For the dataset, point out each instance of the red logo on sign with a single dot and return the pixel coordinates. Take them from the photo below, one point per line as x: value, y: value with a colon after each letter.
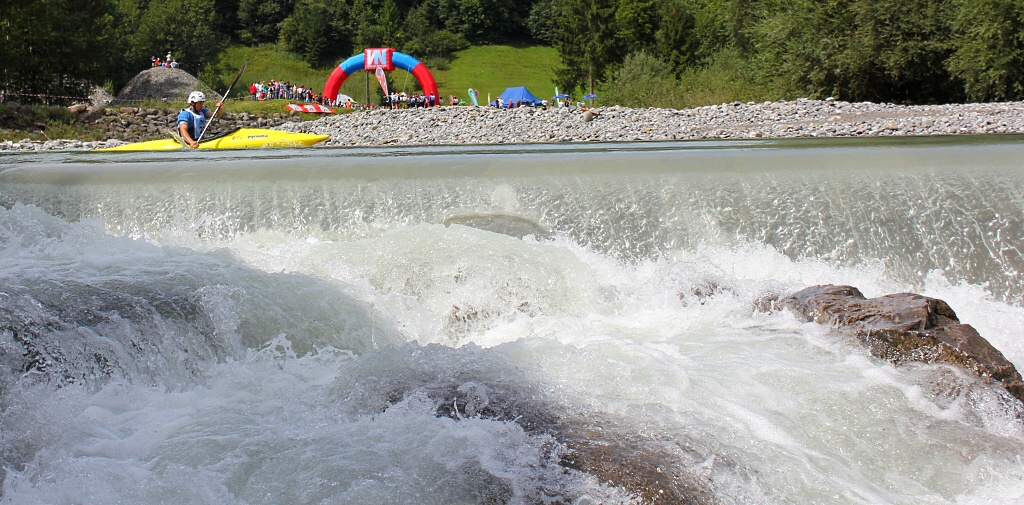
x: 379, y: 57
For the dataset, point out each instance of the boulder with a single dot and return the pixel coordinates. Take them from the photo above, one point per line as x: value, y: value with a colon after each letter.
x: 907, y: 327
x: 91, y: 113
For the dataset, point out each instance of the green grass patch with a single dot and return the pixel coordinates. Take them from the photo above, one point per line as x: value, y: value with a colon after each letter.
x: 67, y: 130
x: 491, y: 69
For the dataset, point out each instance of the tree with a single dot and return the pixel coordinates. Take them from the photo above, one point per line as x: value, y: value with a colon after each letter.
x: 542, y: 23
x: 989, y: 49
x: 122, y: 62
x: 225, y: 14
x: 260, y: 20
x: 676, y: 38
x: 585, y: 42
x: 635, y: 23
x: 52, y: 50
x: 909, y: 42
x: 318, y: 30
x: 378, y: 24
x: 859, y: 49
x: 183, y: 27
x: 437, y: 43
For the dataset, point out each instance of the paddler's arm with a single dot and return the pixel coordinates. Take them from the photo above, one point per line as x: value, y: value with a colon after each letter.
x: 219, y: 111
x: 183, y: 130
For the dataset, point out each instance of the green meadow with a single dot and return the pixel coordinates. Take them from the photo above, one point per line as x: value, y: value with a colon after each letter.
x: 489, y: 69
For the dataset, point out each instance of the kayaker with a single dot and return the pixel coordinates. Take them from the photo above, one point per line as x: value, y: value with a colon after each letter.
x: 192, y: 120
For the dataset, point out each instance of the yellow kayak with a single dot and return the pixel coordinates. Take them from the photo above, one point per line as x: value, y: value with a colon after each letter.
x: 242, y: 138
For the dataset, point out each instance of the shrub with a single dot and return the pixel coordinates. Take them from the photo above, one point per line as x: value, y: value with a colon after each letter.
x: 728, y: 77
x: 642, y: 81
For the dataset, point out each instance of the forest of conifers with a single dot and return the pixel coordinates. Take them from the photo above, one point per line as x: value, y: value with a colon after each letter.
x: 634, y: 51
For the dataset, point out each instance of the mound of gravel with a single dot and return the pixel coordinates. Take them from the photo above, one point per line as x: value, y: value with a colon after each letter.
x: 99, y: 97
x: 162, y: 83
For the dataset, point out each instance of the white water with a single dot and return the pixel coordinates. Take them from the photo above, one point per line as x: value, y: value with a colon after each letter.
x: 301, y: 351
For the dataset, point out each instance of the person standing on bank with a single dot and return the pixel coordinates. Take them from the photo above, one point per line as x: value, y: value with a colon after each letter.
x: 192, y: 120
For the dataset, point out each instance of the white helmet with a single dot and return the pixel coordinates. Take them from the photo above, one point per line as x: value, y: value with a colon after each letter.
x: 196, y: 96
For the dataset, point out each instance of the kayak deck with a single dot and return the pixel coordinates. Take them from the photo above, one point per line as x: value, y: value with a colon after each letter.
x: 242, y: 138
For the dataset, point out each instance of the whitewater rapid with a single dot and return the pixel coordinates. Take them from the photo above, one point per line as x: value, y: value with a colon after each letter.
x: 561, y: 325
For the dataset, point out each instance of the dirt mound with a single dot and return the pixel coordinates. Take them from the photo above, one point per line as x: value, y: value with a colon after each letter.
x: 161, y: 83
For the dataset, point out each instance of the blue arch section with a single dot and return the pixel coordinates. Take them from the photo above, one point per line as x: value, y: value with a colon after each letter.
x: 358, y: 62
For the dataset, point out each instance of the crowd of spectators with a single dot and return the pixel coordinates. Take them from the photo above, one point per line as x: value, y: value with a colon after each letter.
x: 515, y: 104
x: 166, y: 62
x: 406, y: 101
x: 283, y: 90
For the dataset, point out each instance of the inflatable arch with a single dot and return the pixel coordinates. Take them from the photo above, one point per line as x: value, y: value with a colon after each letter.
x: 395, y: 59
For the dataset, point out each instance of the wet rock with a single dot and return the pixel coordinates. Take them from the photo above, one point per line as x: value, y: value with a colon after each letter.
x: 92, y: 113
x: 87, y: 335
x: 505, y: 224
x: 907, y: 327
x: 652, y: 469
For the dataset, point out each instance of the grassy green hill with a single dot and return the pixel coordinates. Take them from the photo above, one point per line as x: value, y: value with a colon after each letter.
x: 489, y: 69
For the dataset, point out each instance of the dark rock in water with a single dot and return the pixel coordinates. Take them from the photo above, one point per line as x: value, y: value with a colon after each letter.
x: 485, y: 385
x: 701, y: 292
x: 907, y: 327
x: 656, y: 472
x: 506, y: 224
x: 87, y: 335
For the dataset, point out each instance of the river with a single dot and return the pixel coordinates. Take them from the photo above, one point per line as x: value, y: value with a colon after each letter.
x: 566, y: 323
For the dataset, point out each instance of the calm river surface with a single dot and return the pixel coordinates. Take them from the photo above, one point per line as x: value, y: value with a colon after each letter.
x: 571, y: 323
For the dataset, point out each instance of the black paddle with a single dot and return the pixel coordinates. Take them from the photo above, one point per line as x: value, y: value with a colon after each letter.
x: 214, y: 116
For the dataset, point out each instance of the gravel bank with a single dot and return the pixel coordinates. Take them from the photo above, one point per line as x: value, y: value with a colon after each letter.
x: 484, y: 125
x: 801, y: 118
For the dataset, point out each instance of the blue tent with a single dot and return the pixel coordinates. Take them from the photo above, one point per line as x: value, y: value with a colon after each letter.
x: 517, y: 94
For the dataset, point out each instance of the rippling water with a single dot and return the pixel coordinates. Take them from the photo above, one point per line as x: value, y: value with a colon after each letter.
x: 514, y: 324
